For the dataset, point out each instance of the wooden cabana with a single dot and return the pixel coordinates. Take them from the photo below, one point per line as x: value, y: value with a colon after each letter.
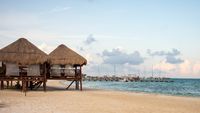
x: 65, y: 64
x: 23, y: 62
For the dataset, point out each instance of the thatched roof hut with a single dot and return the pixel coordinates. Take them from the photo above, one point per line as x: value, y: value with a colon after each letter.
x: 22, y: 52
x: 64, y: 55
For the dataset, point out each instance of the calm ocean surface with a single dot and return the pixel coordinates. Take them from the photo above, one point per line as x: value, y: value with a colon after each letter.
x: 180, y: 87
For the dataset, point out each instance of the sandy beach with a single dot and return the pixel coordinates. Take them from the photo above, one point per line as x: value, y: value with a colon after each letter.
x: 58, y: 100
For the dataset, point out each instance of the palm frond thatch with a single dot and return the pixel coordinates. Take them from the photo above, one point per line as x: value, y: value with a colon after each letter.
x: 64, y: 55
x: 22, y: 52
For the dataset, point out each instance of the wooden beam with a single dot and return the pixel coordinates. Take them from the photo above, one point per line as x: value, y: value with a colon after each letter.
x: 24, y: 85
x: 2, y: 85
x: 31, y: 85
x: 76, y: 79
x: 11, y: 83
x: 70, y: 84
x: 77, y: 84
x: 45, y: 78
x: 7, y: 84
x: 81, y: 78
x: 44, y: 86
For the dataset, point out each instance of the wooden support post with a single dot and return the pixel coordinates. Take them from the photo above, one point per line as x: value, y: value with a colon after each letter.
x: 81, y: 78
x: 7, y: 84
x: 2, y: 85
x: 44, y: 85
x: 24, y: 85
x: 76, y: 79
x: 45, y: 78
x: 75, y: 76
x: 31, y: 85
x: 11, y: 83
x: 77, y: 84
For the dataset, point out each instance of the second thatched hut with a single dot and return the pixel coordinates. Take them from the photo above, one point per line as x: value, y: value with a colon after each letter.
x: 66, y: 64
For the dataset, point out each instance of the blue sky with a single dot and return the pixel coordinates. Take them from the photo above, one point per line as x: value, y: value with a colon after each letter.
x: 112, y: 33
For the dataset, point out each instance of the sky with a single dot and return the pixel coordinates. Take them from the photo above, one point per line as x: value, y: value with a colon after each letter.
x: 118, y: 37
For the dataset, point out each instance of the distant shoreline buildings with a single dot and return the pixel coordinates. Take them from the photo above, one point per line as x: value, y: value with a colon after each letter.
x: 126, y: 79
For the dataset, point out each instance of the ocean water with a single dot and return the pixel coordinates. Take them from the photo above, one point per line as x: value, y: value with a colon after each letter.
x: 180, y: 87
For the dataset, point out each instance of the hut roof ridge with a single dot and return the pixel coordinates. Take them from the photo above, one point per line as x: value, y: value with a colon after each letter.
x: 22, y: 51
x: 64, y: 55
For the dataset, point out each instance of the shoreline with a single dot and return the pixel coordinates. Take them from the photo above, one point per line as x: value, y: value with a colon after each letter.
x: 177, y: 88
x: 141, y: 92
x: 135, y: 92
x: 59, y: 100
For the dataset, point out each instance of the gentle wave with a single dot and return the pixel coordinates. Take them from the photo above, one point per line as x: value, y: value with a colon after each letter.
x: 181, y: 87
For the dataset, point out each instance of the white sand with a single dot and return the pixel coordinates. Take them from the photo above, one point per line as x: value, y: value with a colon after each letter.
x: 58, y: 100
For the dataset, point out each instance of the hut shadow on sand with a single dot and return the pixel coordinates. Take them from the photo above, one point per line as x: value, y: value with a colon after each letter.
x: 3, y: 105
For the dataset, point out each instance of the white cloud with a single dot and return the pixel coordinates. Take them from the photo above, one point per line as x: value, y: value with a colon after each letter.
x: 187, y: 68
x: 173, y: 60
x: 90, y: 39
x: 170, y: 56
x: 116, y: 56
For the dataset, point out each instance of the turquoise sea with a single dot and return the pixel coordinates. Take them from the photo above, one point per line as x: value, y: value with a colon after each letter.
x: 180, y: 87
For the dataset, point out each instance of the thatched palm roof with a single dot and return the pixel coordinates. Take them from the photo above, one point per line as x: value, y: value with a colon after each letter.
x: 64, y: 55
x: 22, y: 52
